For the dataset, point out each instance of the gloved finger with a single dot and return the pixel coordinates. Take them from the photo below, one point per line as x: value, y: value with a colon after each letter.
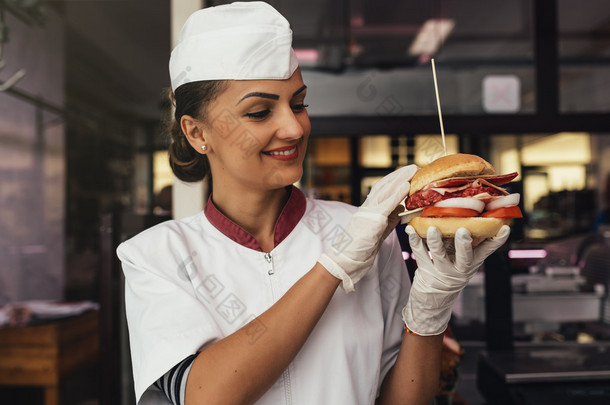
x: 486, y: 248
x: 384, y: 201
x: 420, y: 253
x: 393, y: 221
x: 477, y: 241
x: 434, y: 239
x: 402, y: 174
x: 392, y: 189
x: 464, y: 254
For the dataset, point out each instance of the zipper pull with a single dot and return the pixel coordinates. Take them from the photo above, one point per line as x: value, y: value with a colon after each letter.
x: 268, y: 259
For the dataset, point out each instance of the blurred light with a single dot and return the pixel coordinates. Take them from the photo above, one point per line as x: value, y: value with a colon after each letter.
x: 307, y: 55
x: 527, y: 254
x: 557, y: 149
x: 431, y: 35
x: 430, y: 147
x: 376, y: 151
x: 406, y: 255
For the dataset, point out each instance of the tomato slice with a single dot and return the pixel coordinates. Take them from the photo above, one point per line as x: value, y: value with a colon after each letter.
x: 448, y: 212
x: 506, y: 212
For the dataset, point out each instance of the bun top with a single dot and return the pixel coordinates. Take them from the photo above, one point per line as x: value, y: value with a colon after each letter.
x: 457, y: 165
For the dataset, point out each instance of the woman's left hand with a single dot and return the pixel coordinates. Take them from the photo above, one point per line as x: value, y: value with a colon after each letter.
x: 353, y: 252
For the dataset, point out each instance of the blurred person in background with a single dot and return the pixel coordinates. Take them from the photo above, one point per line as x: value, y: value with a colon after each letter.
x: 603, y: 218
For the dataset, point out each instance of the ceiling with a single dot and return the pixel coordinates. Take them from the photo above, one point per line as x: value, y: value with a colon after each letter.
x: 118, y: 50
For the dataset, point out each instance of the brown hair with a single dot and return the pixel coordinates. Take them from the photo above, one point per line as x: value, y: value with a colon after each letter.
x: 190, y: 99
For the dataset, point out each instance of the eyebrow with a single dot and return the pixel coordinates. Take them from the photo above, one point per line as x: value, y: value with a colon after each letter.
x: 259, y: 94
x: 299, y: 90
x: 269, y: 95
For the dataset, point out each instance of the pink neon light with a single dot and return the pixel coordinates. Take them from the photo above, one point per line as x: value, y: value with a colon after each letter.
x: 306, y: 55
x: 513, y: 254
x: 527, y: 254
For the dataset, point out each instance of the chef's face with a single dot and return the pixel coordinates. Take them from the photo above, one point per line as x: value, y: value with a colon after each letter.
x: 257, y: 132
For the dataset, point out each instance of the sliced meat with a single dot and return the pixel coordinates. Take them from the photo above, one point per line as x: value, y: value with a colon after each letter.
x: 479, y: 182
x: 443, y: 190
x: 425, y: 198
x: 497, y: 180
x: 472, y: 191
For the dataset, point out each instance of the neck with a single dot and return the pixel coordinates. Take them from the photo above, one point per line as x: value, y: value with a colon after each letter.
x: 255, y: 211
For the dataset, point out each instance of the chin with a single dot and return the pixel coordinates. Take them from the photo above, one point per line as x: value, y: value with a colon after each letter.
x: 282, y: 177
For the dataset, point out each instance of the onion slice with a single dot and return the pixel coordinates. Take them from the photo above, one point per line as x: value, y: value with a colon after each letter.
x: 485, y: 197
x: 510, y: 200
x: 462, y: 202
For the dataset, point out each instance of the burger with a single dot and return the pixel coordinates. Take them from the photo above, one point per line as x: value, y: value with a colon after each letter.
x: 460, y: 190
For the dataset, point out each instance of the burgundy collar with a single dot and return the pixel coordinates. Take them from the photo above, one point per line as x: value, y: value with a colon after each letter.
x: 289, y: 218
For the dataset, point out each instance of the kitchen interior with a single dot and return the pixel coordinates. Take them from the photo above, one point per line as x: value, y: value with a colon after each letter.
x: 524, y: 84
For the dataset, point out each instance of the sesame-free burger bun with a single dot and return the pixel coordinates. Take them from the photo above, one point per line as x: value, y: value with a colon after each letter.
x: 479, y: 227
x: 455, y: 165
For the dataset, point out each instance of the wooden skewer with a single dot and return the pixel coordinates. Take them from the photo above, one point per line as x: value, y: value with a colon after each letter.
x: 438, y: 106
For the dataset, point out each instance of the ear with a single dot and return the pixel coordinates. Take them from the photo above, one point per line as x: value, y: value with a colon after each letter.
x: 194, y: 132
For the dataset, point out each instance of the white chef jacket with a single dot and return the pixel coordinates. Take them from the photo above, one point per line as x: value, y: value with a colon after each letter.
x: 193, y: 281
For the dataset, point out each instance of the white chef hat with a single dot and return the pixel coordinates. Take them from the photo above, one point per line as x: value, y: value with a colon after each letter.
x: 238, y: 41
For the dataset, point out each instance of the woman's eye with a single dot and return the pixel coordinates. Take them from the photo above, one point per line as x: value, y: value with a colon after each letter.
x: 299, y: 107
x: 258, y: 114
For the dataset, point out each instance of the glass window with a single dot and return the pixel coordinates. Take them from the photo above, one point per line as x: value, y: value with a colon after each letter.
x: 430, y: 147
x: 327, y: 169
x: 163, y: 175
x: 163, y: 181
x: 505, y: 154
x: 329, y: 151
x: 553, y: 182
x: 382, y: 74
x: 562, y: 148
x: 584, y: 48
x: 376, y: 151
x: 584, y: 88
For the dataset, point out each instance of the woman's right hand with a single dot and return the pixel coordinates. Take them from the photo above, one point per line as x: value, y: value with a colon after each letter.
x: 441, y: 275
x: 353, y: 252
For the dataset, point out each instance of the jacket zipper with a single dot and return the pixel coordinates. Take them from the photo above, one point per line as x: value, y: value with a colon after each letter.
x: 270, y: 271
x: 286, y: 375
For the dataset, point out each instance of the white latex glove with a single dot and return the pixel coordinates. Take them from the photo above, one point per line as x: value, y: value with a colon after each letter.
x: 439, y: 279
x: 353, y: 252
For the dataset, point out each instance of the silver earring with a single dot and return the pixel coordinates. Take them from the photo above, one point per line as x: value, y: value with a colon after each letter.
x: 204, y: 147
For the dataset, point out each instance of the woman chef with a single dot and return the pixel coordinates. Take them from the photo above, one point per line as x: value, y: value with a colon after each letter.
x: 239, y: 303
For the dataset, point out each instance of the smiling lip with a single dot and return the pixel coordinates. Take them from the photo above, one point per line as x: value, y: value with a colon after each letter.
x: 284, y: 153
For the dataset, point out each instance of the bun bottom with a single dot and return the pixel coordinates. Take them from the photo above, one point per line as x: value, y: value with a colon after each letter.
x: 479, y: 227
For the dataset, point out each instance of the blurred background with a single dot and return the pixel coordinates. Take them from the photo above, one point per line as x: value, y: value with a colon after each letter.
x: 524, y: 84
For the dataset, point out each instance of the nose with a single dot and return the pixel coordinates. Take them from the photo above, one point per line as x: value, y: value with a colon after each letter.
x: 291, y: 127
